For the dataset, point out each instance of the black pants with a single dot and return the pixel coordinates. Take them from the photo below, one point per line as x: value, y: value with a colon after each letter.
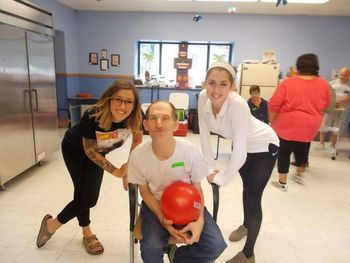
x: 255, y: 174
x: 87, y: 179
x: 300, y: 150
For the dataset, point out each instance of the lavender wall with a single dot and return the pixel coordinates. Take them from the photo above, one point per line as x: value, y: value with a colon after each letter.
x: 65, y: 20
x: 289, y: 36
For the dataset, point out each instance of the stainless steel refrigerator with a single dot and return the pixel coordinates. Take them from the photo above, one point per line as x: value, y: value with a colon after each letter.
x: 28, y: 105
x: 264, y: 75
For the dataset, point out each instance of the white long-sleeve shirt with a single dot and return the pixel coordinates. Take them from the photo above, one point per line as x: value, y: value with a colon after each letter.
x: 235, y: 122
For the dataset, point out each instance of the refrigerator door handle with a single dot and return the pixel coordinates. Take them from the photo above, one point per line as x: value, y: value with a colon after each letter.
x: 26, y: 107
x: 36, y: 100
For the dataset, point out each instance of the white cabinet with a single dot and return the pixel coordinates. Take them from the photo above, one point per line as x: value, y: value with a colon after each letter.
x: 263, y: 75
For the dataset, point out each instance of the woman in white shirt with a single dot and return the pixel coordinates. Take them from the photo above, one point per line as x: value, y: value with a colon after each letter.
x: 255, y: 147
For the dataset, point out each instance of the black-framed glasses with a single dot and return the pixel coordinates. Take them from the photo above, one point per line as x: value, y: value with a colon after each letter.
x: 118, y: 101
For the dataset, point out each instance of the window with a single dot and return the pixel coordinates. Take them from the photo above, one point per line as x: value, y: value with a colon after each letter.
x: 158, y: 59
x: 198, y: 53
x: 149, y: 58
x: 169, y: 52
x: 219, y: 53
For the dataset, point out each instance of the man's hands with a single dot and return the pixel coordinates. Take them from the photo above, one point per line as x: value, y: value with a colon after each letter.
x: 342, y: 102
x: 168, y: 225
x: 189, y: 234
x: 192, y: 232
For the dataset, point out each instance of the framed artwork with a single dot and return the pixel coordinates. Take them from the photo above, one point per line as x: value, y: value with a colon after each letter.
x: 103, y: 53
x: 269, y: 56
x: 104, y: 64
x: 93, y: 58
x: 115, y: 60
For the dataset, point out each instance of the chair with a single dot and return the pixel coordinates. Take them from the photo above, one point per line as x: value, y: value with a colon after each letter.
x: 144, y: 107
x: 181, y: 102
x: 218, y: 144
x: 134, y: 209
x: 64, y: 122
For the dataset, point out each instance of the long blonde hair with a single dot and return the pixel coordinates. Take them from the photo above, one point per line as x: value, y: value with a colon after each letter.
x: 103, y: 113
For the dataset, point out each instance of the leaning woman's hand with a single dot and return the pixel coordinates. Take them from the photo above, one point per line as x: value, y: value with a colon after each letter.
x: 122, y: 171
x: 211, y: 176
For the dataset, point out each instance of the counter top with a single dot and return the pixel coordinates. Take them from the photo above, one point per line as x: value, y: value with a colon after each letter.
x: 167, y: 88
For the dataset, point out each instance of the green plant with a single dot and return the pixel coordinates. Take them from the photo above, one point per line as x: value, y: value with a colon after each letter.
x: 217, y: 57
x: 148, y: 57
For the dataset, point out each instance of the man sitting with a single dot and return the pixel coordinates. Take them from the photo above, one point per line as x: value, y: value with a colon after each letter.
x: 153, y: 166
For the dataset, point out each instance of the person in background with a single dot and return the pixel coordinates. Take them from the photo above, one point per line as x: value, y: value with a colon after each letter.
x: 255, y: 147
x: 257, y: 105
x: 295, y: 113
x: 341, y: 87
x: 292, y: 71
x: 153, y: 166
x: 147, y: 76
x: 103, y: 128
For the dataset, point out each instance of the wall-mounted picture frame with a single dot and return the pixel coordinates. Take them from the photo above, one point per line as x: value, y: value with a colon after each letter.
x: 93, y: 58
x: 115, y: 60
x: 104, y: 64
x: 103, y: 53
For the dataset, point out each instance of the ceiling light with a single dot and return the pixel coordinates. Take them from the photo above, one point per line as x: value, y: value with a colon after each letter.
x: 298, y: 1
x: 240, y: 1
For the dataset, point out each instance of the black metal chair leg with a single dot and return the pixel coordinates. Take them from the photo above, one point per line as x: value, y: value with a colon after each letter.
x: 217, y: 148
x: 133, y: 211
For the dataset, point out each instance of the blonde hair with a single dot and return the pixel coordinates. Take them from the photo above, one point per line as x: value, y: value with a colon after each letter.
x: 103, y: 115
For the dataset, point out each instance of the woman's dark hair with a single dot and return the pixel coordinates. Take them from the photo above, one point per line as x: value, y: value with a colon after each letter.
x: 307, y: 64
x: 254, y: 88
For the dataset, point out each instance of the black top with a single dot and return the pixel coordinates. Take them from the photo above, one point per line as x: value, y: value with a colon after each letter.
x: 107, y: 140
x: 259, y: 112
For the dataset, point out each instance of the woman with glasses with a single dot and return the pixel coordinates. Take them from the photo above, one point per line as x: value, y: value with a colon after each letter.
x: 103, y: 128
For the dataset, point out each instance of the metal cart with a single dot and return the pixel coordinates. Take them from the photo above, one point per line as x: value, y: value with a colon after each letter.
x: 339, y: 130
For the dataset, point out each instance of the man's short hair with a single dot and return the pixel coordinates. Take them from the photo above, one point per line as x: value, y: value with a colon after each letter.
x: 173, y: 109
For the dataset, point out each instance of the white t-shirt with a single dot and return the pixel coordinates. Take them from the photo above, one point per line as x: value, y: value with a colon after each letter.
x: 235, y: 122
x: 186, y: 164
x: 341, y: 89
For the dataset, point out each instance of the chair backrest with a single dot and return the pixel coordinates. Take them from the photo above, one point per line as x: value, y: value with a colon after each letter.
x: 180, y: 114
x: 179, y: 100
x: 64, y: 122
x: 144, y: 107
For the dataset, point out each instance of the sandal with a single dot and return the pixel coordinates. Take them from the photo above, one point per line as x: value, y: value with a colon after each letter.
x: 44, y: 234
x: 92, y: 245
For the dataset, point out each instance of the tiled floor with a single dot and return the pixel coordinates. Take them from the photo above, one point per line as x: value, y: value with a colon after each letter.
x: 309, y: 223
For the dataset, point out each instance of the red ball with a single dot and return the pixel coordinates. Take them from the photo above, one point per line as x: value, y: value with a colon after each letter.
x: 181, y: 202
